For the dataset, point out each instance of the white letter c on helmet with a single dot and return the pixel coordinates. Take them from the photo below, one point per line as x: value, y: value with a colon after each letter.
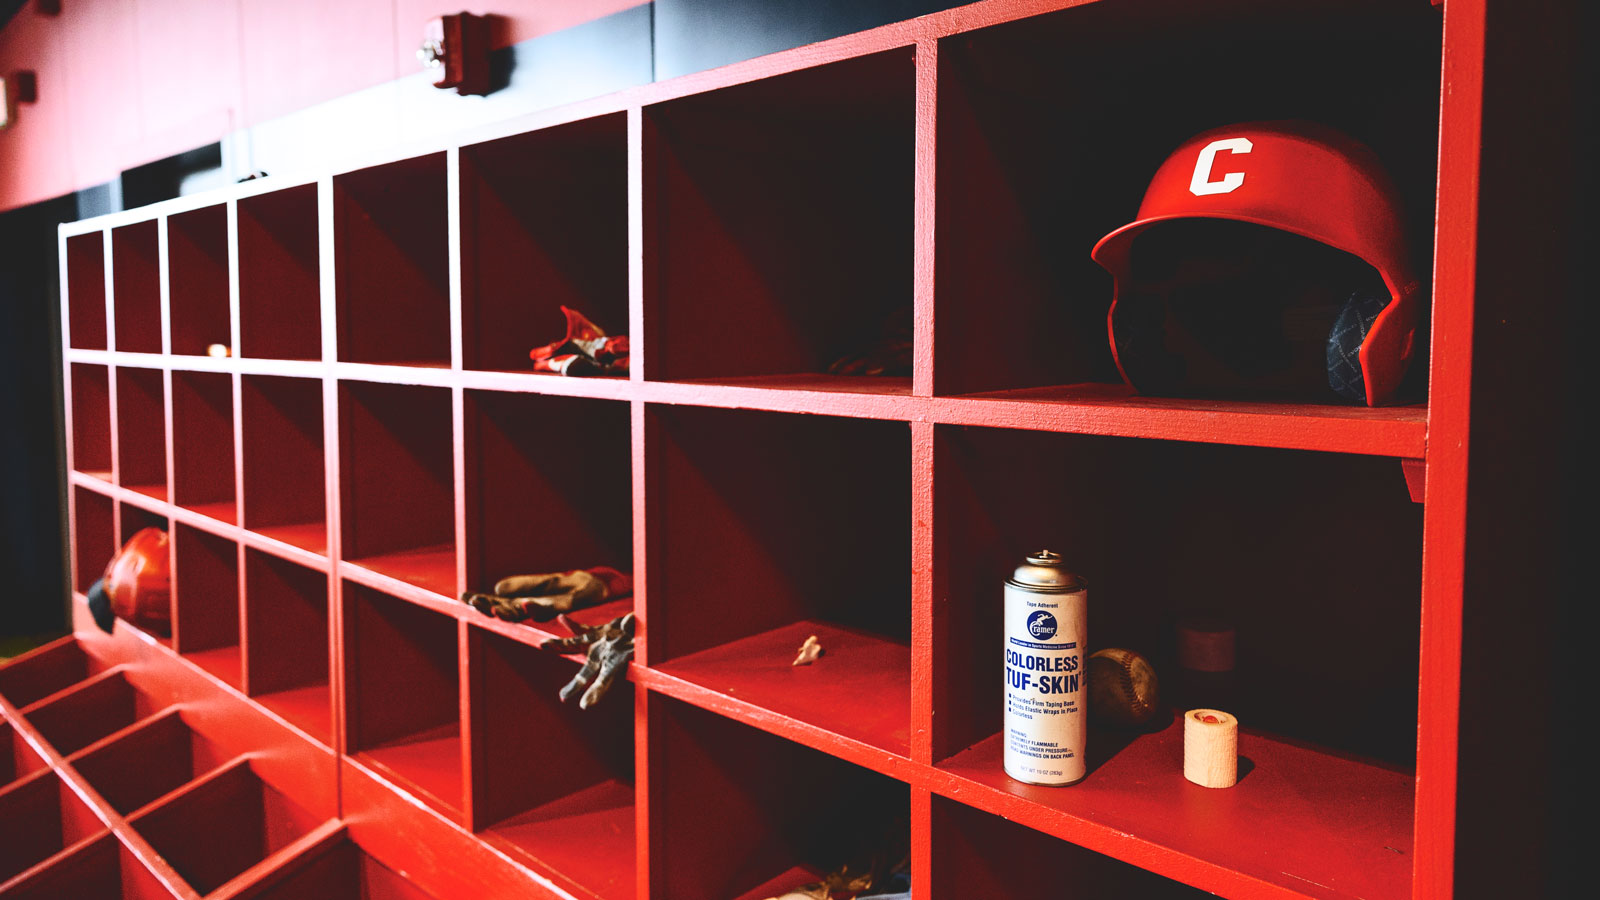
x: 1201, y: 184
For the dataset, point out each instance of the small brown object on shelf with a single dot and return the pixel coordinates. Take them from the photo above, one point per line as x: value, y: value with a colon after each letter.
x: 544, y: 596
x: 1210, y: 748
x: 809, y: 651
x: 1123, y: 688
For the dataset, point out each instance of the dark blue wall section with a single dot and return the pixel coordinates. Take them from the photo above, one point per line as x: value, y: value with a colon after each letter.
x: 692, y: 35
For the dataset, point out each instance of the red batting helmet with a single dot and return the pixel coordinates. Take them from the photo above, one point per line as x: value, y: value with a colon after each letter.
x: 1301, y: 178
x: 138, y: 582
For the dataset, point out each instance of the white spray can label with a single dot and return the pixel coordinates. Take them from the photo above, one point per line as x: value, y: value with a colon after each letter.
x: 1046, y: 633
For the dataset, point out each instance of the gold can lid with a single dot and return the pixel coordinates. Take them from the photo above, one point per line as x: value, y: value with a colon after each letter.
x: 1044, y: 571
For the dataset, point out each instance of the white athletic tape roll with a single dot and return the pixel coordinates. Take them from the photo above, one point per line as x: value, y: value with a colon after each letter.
x: 1210, y: 748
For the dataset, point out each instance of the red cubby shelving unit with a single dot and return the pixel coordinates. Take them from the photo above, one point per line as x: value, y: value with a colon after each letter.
x: 377, y: 444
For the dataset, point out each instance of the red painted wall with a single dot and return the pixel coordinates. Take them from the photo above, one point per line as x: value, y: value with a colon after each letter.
x: 125, y: 82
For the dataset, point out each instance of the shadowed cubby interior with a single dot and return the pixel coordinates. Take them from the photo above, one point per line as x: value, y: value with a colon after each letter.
x: 582, y: 782
x: 132, y: 519
x: 397, y: 482
x: 544, y: 219
x: 103, y: 869
x: 95, y: 708
x: 91, y: 420
x: 202, y: 444
x: 287, y: 645
x: 340, y: 872
x: 1025, y: 194
x: 86, y: 291
x: 785, y: 526
x: 17, y: 759
x: 778, y: 224
x: 549, y: 487
x: 977, y: 854
x: 147, y: 762
x: 280, y: 282
x: 39, y: 818
x: 136, y: 287
x: 402, y: 693
x: 285, y: 487
x: 197, y: 280
x: 206, y: 584
x: 142, y: 431
x: 61, y: 665
x: 392, y: 263
x: 222, y: 825
x: 1164, y: 530
x: 737, y: 812
x: 93, y: 537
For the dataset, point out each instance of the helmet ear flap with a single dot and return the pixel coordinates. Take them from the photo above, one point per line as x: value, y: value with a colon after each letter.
x: 1349, y: 332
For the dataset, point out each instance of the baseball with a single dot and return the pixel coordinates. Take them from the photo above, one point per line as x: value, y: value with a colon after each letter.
x: 1123, y: 689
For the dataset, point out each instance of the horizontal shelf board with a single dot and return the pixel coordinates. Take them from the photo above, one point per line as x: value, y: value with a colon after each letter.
x: 535, y: 633
x: 813, y: 382
x: 94, y: 481
x: 223, y: 662
x: 821, y: 394
x: 309, y: 709
x: 616, y: 387
x: 602, y: 861
x: 1116, y: 410
x: 782, y: 883
x: 428, y: 762
x: 226, y: 512
x: 431, y: 568
x: 153, y: 491
x: 859, y: 690
x: 1301, y: 819
x: 311, y: 537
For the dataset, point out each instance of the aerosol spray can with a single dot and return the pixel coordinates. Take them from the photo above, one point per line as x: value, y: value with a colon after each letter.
x: 1046, y: 632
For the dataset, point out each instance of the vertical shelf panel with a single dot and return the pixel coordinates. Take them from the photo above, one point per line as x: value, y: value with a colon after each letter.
x: 202, y: 444
x: 782, y: 527
x: 287, y: 643
x: 148, y: 762
x: 538, y: 502
x: 17, y: 759
x: 98, y: 869
x: 142, y: 431
x: 342, y: 872
x: 392, y: 263
x: 397, y: 477
x: 73, y: 720
x: 197, y: 280
x: 136, y: 286
x: 93, y: 537
x: 402, y: 694
x: 783, y: 815
x: 280, y: 297
x: 778, y: 220
x: 284, y: 479
x: 54, y: 667
x: 91, y: 420
x: 543, y: 225
x: 38, y: 819
x: 583, y: 781
x: 86, y: 291
x: 206, y: 584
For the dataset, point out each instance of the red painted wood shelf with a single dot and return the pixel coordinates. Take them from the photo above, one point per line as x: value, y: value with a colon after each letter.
x: 377, y: 445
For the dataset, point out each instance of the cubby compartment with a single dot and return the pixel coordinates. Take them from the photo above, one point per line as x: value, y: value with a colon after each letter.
x: 101, y: 869
x: 142, y: 431
x: 136, y: 287
x: 537, y: 502
x: 93, y: 537
x: 17, y: 759
x: 221, y: 825
x: 202, y: 444
x: 280, y: 282
x: 287, y: 641
x: 402, y: 694
x: 206, y: 586
x: 392, y: 263
x: 1289, y: 547
x: 94, y: 709
x: 782, y: 527
x: 51, y: 668
x: 91, y: 420
x: 342, y: 871
x: 582, y: 783
x: 285, y: 475
x: 397, y: 482
x: 783, y: 814
x: 39, y: 818
x: 977, y: 854
x: 133, y: 519
x: 1035, y: 167
x: 778, y: 227
x: 197, y: 280
x: 148, y: 761
x: 544, y: 224
x: 86, y: 291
